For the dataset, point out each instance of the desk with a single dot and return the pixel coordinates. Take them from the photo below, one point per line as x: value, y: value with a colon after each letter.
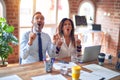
x: 35, y: 69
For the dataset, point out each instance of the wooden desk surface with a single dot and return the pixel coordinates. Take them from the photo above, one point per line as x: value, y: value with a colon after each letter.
x: 35, y: 69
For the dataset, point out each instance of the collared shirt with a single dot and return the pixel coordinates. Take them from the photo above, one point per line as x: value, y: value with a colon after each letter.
x: 66, y: 51
x: 29, y: 54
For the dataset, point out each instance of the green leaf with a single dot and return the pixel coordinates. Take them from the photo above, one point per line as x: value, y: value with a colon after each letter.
x: 2, y: 19
x: 14, y: 40
x: 9, y: 29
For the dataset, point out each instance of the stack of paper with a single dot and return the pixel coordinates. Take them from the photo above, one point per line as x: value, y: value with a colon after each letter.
x: 102, y: 71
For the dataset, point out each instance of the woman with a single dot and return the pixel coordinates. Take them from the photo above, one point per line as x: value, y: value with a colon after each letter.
x: 65, y: 40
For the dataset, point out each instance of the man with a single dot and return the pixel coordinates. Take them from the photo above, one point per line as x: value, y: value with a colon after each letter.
x: 30, y: 44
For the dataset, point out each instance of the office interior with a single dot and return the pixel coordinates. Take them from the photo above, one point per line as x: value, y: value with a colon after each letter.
x: 104, y: 12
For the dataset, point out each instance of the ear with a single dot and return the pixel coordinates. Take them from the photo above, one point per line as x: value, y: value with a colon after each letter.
x: 43, y: 23
x: 32, y: 21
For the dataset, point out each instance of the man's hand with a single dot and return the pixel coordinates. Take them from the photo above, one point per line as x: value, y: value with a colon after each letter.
x: 32, y: 37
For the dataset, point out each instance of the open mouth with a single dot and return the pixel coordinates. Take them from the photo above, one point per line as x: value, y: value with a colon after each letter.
x: 39, y: 24
x: 68, y: 29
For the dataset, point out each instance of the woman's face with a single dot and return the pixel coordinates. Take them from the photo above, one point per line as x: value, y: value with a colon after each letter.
x: 67, y: 27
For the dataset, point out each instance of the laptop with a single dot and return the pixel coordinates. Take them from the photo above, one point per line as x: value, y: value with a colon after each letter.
x: 90, y: 53
x: 96, y: 27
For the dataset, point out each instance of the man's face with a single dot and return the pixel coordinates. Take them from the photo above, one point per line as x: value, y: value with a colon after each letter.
x: 38, y: 22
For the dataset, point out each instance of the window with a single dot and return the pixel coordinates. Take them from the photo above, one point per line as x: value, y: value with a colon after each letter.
x: 26, y: 12
x: 87, y: 9
x: 53, y: 11
x: 2, y: 9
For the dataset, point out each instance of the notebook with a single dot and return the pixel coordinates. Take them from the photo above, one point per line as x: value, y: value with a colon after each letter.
x: 90, y: 53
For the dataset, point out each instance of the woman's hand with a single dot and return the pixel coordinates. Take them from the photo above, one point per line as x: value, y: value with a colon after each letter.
x: 78, y: 42
x: 57, y: 40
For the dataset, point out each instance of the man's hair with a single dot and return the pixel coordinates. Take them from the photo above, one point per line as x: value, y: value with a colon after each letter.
x: 35, y: 14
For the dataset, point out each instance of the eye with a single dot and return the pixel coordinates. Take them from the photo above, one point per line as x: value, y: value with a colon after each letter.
x: 36, y: 18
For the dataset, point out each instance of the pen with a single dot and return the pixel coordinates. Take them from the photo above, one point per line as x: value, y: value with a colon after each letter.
x: 102, y: 78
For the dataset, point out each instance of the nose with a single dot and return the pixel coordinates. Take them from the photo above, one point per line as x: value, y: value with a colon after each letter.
x: 67, y: 26
x: 39, y: 19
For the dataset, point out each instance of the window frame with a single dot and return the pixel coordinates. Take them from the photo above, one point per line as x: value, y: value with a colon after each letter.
x: 4, y: 9
x: 46, y: 25
x: 93, y: 15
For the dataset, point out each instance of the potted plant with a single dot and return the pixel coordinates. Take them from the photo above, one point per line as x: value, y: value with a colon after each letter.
x: 6, y: 40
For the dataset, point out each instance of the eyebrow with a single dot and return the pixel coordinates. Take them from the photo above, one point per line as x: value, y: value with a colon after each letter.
x: 42, y: 17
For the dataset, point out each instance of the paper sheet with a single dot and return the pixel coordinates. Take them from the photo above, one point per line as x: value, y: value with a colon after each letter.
x: 11, y: 77
x: 59, y: 65
x: 106, y: 74
x: 49, y: 77
x: 87, y: 76
x: 102, y: 71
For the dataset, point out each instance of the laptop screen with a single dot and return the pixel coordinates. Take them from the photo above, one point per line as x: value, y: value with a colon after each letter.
x: 96, y: 27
